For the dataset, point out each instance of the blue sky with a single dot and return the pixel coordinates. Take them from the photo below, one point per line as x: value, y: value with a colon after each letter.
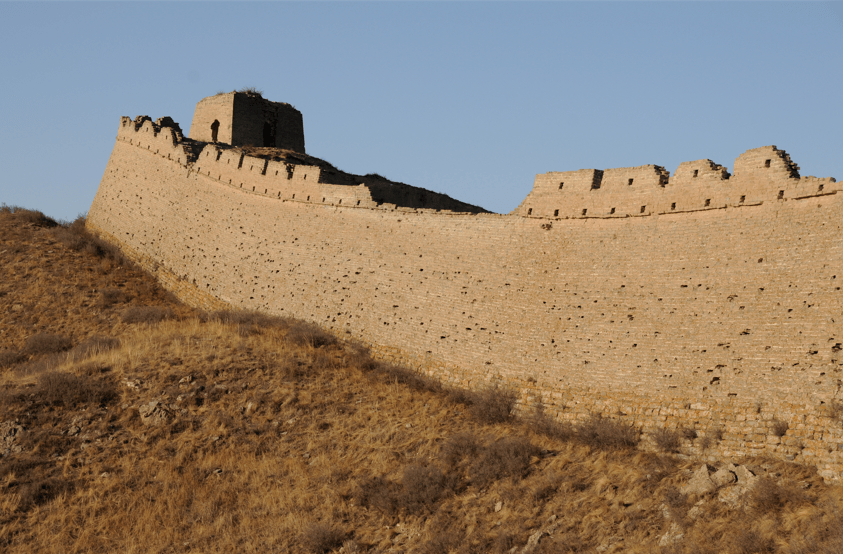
x: 471, y: 99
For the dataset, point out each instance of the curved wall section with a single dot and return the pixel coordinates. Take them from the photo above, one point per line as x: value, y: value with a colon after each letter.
x: 723, y: 320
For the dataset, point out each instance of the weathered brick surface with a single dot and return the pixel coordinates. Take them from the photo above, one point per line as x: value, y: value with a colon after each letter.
x: 722, y: 317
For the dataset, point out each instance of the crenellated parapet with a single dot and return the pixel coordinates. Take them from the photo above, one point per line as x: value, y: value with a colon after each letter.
x: 764, y: 174
x: 278, y: 179
x: 163, y: 137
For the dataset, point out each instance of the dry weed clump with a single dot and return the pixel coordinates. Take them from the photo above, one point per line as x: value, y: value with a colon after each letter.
x: 508, y: 457
x: 767, y: 495
x: 8, y: 358
x: 26, y: 216
x: 321, y: 538
x: 491, y: 405
x: 423, y: 487
x: 66, y: 389
x: 146, y: 314
x: 45, y: 343
x: 603, y: 433
x: 300, y: 333
x: 111, y: 296
x: 76, y: 236
x: 677, y: 506
x: 667, y: 440
x: 91, y: 347
x: 780, y: 428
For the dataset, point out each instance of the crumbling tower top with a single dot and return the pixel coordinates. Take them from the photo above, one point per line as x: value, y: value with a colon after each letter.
x: 247, y: 119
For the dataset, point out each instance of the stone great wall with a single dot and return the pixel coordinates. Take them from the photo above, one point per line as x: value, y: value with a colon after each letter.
x: 701, y: 300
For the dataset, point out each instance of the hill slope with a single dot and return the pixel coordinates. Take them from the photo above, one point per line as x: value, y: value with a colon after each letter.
x: 131, y: 423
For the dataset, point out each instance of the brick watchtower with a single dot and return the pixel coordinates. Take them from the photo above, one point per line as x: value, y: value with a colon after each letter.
x: 246, y: 119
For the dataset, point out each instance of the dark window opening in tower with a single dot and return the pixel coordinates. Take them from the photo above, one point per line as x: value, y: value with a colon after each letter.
x: 268, y: 134
x: 215, y: 129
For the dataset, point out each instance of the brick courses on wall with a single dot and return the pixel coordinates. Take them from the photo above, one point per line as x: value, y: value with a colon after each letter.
x: 721, y: 314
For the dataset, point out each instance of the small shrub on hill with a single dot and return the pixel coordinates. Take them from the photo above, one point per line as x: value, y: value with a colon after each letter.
x: 769, y: 496
x: 393, y: 373
x: 378, y: 493
x: 780, y: 428
x: 45, y: 343
x: 145, y: 314
x: 249, y: 322
x: 303, y: 333
x: 492, y: 405
x: 33, y: 217
x: 459, y: 448
x: 91, y: 347
x: 747, y: 541
x: 111, y: 296
x: 508, y: 457
x: 607, y: 433
x: 321, y: 538
x: 545, y: 425
x: 423, y: 487
x: 688, y: 433
x: 75, y: 236
x: 677, y: 506
x: 65, y: 389
x: 8, y: 358
x: 667, y: 440
x: 41, y: 491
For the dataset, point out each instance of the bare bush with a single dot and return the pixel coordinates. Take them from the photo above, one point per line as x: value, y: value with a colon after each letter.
x: 76, y: 236
x: 91, y: 347
x: 145, y: 314
x: 607, y: 433
x: 393, y: 373
x: 779, y: 428
x: 111, y: 296
x: 677, y: 506
x: 303, y: 333
x: 769, y: 496
x: 544, y: 487
x: 32, y: 217
x: 248, y: 322
x: 45, y: 343
x: 423, y: 486
x: 492, y: 405
x: 549, y: 427
x: 444, y: 536
x: 507, y: 457
x: 747, y: 541
x: 459, y: 448
x: 667, y: 440
x: 65, y: 389
x: 41, y: 491
x: 378, y: 493
x: 8, y: 358
x: 688, y: 433
x: 321, y: 538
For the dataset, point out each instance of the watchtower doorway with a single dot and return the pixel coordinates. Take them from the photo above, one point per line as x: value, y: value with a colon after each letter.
x: 268, y: 134
x: 215, y: 129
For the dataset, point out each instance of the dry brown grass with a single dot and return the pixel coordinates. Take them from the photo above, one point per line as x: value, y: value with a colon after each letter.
x: 242, y: 432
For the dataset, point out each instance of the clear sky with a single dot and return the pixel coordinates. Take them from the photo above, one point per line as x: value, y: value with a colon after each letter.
x: 471, y: 99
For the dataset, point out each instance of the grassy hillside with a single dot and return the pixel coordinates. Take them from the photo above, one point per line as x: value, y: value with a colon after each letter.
x: 132, y: 423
